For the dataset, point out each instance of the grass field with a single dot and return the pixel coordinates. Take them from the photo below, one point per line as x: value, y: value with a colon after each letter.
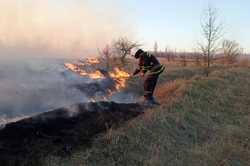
x: 203, y: 121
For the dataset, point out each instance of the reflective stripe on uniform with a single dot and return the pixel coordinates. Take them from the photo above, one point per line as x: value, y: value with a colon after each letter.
x: 145, y: 67
x: 149, y: 55
x: 159, y: 71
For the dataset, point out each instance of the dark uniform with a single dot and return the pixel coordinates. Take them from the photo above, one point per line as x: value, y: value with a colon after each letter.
x: 149, y: 64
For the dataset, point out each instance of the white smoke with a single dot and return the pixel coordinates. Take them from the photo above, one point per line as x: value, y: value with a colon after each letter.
x: 33, y: 87
x: 33, y: 30
x: 59, y: 27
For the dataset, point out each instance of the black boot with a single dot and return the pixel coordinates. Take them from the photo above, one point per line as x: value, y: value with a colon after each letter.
x: 150, y: 102
x: 155, y: 102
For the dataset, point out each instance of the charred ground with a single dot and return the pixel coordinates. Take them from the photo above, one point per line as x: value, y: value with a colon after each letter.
x: 62, y: 130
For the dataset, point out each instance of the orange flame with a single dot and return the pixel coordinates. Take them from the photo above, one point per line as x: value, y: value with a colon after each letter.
x: 93, y: 61
x: 96, y: 75
x: 120, y: 77
x: 72, y: 67
x: 77, y: 69
x: 117, y: 74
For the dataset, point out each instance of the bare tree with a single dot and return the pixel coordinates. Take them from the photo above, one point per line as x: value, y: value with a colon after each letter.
x: 123, y: 47
x: 231, y: 50
x: 212, y: 32
x: 197, y: 57
x: 167, y: 53
x: 183, y: 57
x: 106, y: 54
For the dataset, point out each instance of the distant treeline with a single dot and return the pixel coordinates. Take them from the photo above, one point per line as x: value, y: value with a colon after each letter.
x: 191, y: 57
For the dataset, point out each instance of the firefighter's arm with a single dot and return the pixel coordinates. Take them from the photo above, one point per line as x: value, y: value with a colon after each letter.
x: 144, y: 64
x: 136, y: 72
x: 141, y: 71
x: 140, y: 68
x: 144, y: 71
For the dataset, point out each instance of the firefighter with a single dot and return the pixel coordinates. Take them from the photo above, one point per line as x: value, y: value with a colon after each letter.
x: 149, y: 65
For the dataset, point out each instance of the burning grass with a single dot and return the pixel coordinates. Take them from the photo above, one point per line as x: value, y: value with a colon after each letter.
x: 118, y: 75
x: 104, y: 84
x: 208, y: 126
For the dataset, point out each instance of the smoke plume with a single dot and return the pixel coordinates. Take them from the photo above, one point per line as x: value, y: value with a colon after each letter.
x: 59, y: 27
x: 33, y: 30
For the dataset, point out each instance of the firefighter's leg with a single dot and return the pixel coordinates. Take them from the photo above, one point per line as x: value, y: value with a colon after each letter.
x: 153, y: 83
x: 147, y: 91
x: 149, y: 86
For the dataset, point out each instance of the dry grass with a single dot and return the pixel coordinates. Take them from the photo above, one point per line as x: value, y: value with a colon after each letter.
x: 172, y: 89
x: 209, y: 126
x: 243, y: 63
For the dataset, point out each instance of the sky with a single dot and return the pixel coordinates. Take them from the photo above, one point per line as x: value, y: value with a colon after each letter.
x: 73, y: 26
x: 176, y: 23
